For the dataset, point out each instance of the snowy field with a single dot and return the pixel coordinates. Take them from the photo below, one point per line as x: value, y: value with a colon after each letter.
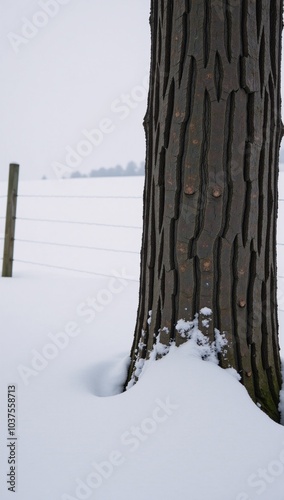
x: 187, y: 430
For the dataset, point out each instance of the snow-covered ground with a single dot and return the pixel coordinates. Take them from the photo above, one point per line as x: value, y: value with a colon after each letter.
x: 187, y: 430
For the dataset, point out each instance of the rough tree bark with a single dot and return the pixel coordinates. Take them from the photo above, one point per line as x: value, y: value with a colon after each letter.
x: 213, y: 131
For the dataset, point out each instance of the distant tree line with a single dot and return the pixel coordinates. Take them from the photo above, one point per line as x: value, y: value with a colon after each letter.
x: 131, y: 169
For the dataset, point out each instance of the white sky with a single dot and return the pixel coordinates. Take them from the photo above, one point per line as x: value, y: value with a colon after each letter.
x: 65, y: 79
x: 68, y: 76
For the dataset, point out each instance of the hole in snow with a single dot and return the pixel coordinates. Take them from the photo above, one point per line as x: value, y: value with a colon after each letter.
x: 108, y: 377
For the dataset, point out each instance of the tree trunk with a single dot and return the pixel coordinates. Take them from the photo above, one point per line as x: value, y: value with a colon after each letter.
x: 213, y: 132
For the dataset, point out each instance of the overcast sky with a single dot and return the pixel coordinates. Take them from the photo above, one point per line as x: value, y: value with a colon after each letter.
x: 75, y: 73
x: 74, y: 84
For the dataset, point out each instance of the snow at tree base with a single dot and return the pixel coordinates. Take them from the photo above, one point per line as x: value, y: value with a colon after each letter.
x: 187, y: 429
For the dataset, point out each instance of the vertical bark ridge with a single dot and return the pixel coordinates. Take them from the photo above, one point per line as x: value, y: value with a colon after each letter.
x: 247, y: 212
x: 227, y: 161
x: 228, y: 29
x: 161, y: 255
x: 161, y: 184
x: 169, y: 114
x: 159, y: 42
x: 273, y: 39
x: 250, y: 298
x: 187, y: 6
x: 206, y: 32
x: 183, y: 51
x: 157, y: 98
x: 275, y: 340
x: 244, y: 30
x: 263, y: 177
x: 260, y: 200
x: 258, y: 11
x: 203, y: 165
x: 217, y: 283
x: 162, y: 10
x: 218, y: 74
x: 237, y: 342
x: 168, y: 44
x: 157, y: 141
x: 261, y: 59
x: 264, y: 345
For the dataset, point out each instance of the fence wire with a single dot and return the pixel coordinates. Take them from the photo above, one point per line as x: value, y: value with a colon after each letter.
x: 86, y: 247
x: 75, y: 270
x: 83, y: 223
x: 90, y: 197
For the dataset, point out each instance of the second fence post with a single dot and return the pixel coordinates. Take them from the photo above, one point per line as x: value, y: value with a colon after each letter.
x: 10, y: 221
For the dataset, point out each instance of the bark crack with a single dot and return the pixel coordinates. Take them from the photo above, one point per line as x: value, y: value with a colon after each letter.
x: 218, y: 75
x: 228, y: 30
x: 168, y: 44
x: 184, y: 43
x: 258, y: 8
x: 234, y: 267
x: 273, y: 38
x: 206, y: 32
x: 169, y: 115
x: 204, y: 163
x: 228, y: 144
x: 244, y: 28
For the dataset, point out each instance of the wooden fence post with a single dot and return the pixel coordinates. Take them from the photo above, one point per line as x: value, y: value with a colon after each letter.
x: 10, y: 221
